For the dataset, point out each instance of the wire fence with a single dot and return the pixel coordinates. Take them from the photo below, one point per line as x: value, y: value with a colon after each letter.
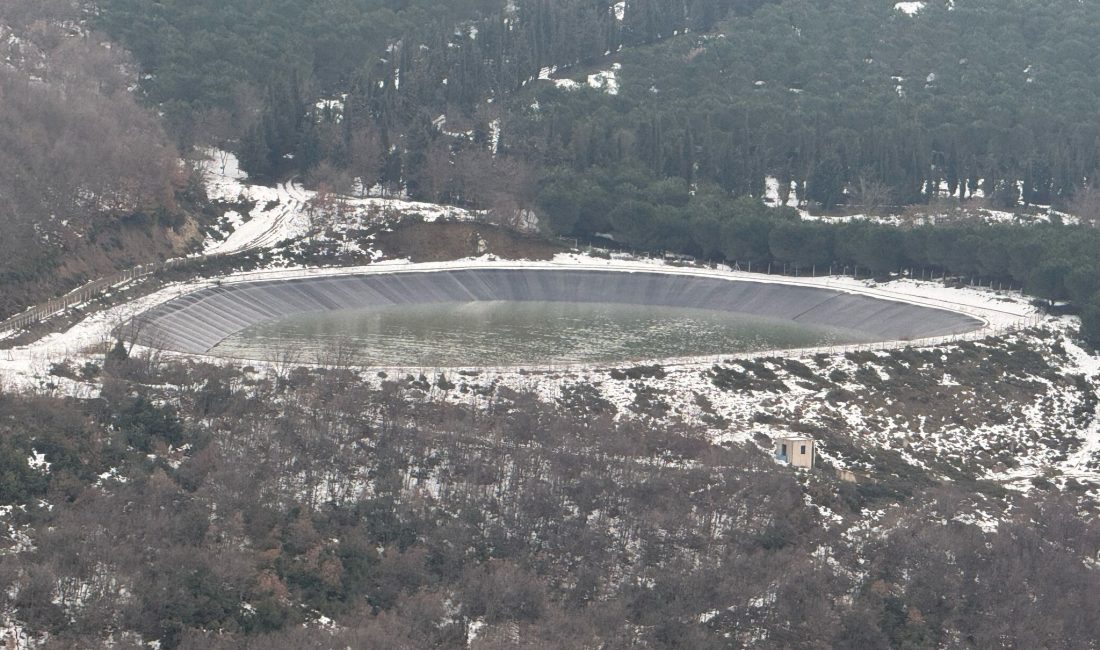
x: 96, y: 288
x: 84, y: 294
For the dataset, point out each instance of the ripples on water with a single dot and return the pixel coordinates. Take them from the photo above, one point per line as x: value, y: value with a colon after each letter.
x: 514, y: 333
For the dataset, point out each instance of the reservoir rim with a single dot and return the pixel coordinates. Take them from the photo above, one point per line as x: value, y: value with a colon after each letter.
x: 979, y: 321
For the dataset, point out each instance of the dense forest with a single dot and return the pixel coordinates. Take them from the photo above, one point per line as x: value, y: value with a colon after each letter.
x: 961, y: 96
x: 713, y: 91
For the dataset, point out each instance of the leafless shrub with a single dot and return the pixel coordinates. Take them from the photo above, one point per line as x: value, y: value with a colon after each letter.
x: 1085, y: 205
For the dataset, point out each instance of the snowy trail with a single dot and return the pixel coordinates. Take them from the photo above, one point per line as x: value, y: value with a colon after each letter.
x: 288, y: 216
x: 267, y: 228
x: 1089, y: 451
x: 277, y: 215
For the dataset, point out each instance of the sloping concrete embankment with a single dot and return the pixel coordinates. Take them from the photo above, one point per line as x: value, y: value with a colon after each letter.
x: 197, y: 322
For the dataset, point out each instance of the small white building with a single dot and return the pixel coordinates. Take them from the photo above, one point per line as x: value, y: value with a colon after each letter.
x: 795, y: 450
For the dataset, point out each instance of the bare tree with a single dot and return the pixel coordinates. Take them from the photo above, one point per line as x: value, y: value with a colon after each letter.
x: 325, y: 208
x: 75, y: 139
x: 504, y: 186
x: 1085, y: 205
x: 214, y: 127
x: 366, y: 153
x: 282, y: 359
x: 333, y: 178
x: 440, y: 172
x: 335, y: 354
x: 873, y: 194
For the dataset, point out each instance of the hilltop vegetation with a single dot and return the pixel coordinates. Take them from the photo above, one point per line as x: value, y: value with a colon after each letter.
x: 190, y: 505
x: 232, y: 509
x: 971, y: 95
x: 845, y: 103
x: 89, y: 180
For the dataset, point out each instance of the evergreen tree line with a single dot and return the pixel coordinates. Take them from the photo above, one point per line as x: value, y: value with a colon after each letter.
x: 457, y: 70
x: 250, y: 76
x: 1050, y: 261
x: 204, y: 58
x: 979, y: 98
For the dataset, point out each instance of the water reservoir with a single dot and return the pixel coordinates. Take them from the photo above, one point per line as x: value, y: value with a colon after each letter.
x: 515, y: 316
x: 519, y: 333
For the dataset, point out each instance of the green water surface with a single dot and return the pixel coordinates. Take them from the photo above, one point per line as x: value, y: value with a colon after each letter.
x: 517, y: 333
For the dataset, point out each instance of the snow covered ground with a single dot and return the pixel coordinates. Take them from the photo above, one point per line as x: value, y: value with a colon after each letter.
x: 972, y: 207
x: 1046, y: 429
x: 28, y: 365
x: 909, y: 8
x: 605, y: 80
x: 288, y: 211
x: 686, y: 387
x: 954, y: 428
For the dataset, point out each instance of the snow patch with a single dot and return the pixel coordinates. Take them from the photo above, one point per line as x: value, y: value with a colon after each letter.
x: 38, y: 462
x: 605, y: 80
